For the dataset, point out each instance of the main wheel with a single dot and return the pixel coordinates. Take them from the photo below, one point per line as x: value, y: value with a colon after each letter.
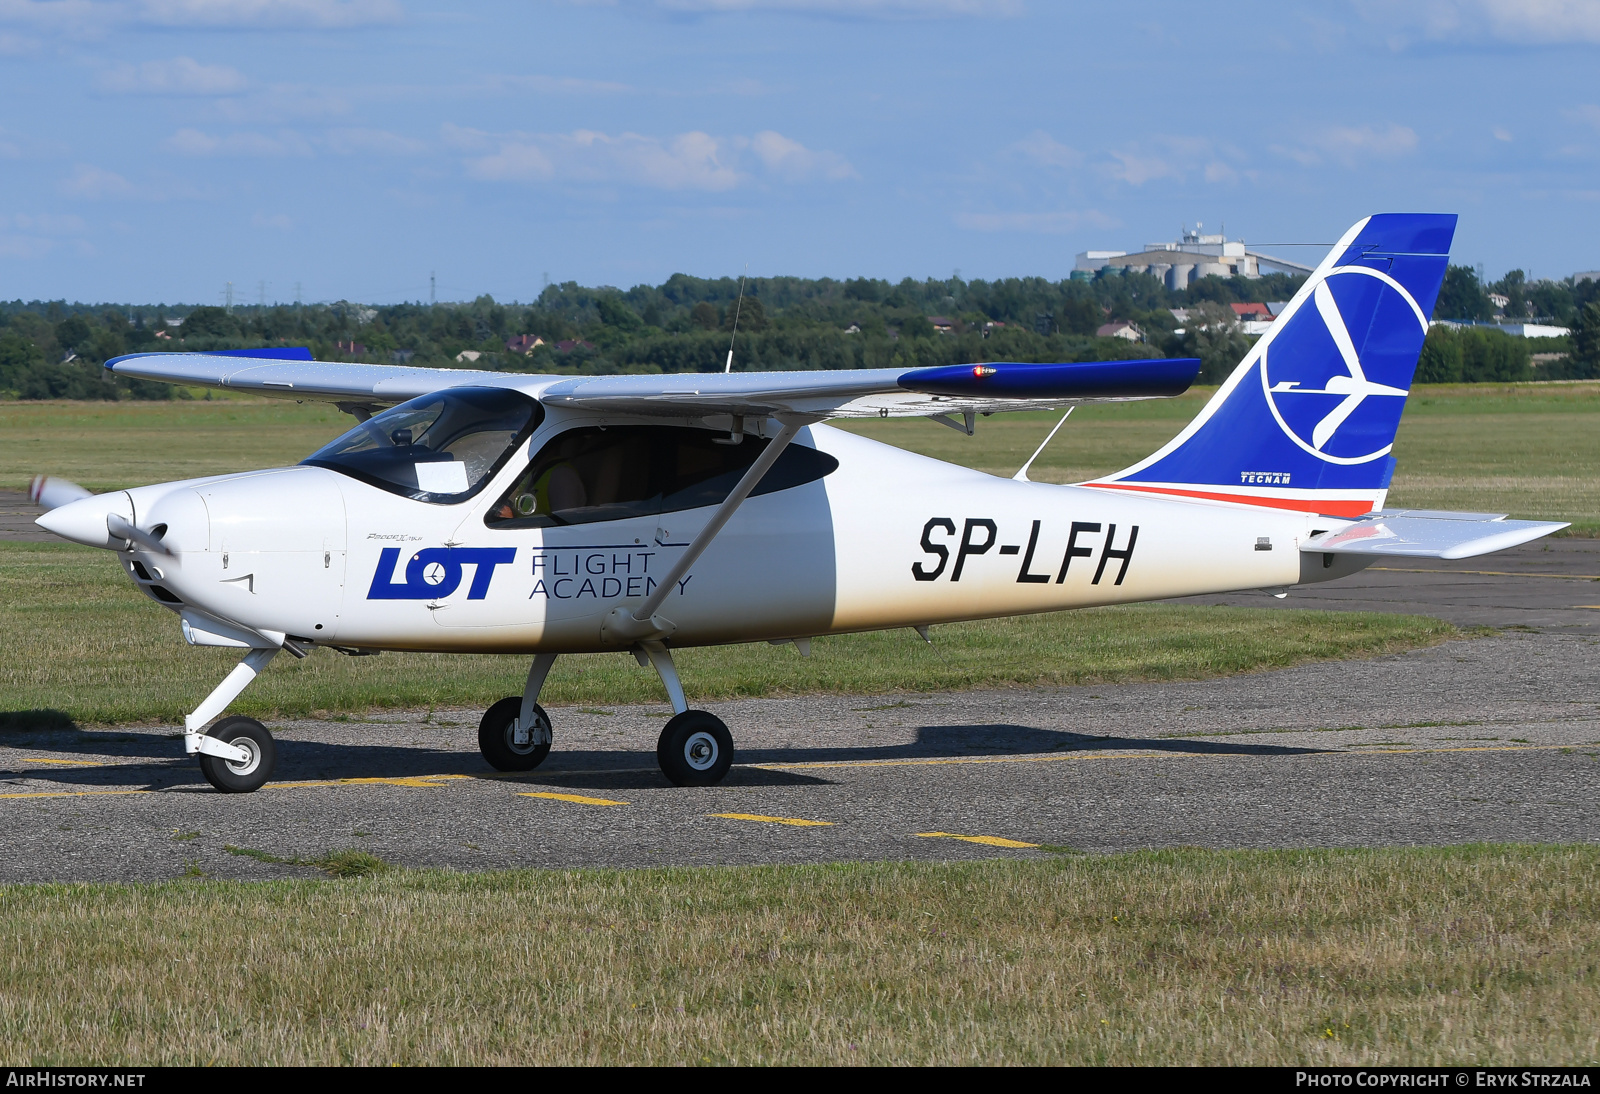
x: 497, y: 736
x: 695, y: 749
x: 253, y: 772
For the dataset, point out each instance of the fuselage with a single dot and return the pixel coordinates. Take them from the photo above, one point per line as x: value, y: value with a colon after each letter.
x: 887, y: 539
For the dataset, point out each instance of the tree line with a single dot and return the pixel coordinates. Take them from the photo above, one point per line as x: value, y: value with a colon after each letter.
x: 54, y: 350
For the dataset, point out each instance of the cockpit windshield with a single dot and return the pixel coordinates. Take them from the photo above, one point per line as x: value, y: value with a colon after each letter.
x: 438, y: 448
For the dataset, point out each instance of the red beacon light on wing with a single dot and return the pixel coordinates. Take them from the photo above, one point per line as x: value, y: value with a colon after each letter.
x: 980, y: 371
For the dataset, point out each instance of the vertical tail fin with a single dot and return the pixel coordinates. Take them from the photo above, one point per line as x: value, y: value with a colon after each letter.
x: 1307, y: 419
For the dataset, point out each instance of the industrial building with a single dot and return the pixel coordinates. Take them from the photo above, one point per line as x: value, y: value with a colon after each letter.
x: 1192, y: 255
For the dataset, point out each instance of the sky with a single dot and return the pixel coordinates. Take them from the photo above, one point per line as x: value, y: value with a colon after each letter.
x: 154, y: 150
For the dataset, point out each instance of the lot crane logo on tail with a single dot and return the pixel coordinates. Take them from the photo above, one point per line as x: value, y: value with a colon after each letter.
x: 1294, y: 362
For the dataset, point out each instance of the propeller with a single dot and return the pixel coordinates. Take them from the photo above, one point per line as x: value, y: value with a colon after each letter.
x: 52, y: 493
x: 83, y: 524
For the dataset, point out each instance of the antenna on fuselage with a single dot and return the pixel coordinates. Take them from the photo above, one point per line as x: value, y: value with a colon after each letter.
x: 1022, y: 472
x: 738, y: 305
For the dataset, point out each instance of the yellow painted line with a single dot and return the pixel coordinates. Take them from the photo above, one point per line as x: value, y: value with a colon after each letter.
x: 71, y: 793
x: 1470, y: 748
x: 1594, y: 606
x: 796, y: 821
x: 424, y: 782
x: 69, y: 763
x: 579, y: 798
x: 1097, y: 755
x: 1143, y: 754
x: 987, y: 841
x: 1483, y: 573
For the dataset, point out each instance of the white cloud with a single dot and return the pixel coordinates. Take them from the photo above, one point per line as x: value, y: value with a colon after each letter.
x: 179, y: 76
x: 1176, y: 158
x: 564, y: 85
x: 283, y: 103
x: 857, y: 9
x: 286, y: 14
x: 277, y: 221
x: 1501, y: 133
x: 82, y: 18
x: 1057, y: 223
x: 1588, y: 113
x: 1138, y: 169
x: 1514, y: 22
x: 1045, y: 150
x: 97, y: 18
x: 1351, y: 145
x: 25, y: 246
x: 688, y: 161
x: 794, y: 162
x: 465, y: 138
x: 51, y: 224
x: 23, y: 146
x: 96, y: 183
x: 193, y: 142
x: 379, y: 142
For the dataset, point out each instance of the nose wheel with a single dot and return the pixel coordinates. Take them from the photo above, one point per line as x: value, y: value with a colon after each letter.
x: 240, y: 774
x: 695, y: 749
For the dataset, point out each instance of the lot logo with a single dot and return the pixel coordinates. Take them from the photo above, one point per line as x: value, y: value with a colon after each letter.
x: 436, y: 572
x: 1335, y: 400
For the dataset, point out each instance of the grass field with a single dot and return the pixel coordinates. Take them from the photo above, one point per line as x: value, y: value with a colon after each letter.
x: 1532, y: 450
x: 1471, y: 955
x: 78, y: 640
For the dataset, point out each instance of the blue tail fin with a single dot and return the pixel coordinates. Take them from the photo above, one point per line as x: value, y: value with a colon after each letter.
x: 1307, y: 419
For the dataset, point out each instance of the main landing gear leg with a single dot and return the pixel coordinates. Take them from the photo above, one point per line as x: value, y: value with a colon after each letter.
x: 695, y: 748
x: 237, y: 755
x: 515, y: 733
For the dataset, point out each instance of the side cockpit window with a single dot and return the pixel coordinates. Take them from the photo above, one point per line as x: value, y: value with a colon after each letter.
x: 611, y: 473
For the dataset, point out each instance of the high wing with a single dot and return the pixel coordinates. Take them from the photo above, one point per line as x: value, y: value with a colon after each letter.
x: 854, y: 393
x: 370, y: 386
x: 1427, y: 533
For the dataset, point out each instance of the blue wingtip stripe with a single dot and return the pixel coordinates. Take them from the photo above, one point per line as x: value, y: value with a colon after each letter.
x: 1164, y: 376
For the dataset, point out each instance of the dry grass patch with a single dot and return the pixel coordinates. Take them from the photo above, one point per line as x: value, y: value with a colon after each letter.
x: 1473, y: 955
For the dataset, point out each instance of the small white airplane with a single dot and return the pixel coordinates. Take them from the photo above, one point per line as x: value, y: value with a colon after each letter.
x: 541, y: 515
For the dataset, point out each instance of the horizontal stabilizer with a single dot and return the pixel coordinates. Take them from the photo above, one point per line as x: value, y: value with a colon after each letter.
x: 1426, y: 533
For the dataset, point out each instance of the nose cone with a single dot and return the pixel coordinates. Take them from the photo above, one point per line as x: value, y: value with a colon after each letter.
x: 85, y: 521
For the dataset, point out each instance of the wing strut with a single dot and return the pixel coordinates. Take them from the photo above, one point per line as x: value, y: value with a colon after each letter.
x: 642, y: 622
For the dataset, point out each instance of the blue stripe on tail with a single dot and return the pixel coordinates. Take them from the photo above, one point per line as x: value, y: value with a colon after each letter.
x: 1315, y: 404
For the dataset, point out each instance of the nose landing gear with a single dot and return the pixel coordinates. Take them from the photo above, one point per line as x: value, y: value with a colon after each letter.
x: 237, y: 755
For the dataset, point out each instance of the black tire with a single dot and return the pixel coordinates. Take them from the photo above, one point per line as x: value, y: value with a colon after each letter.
x: 695, y: 749
x: 498, y: 745
x: 232, y: 778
